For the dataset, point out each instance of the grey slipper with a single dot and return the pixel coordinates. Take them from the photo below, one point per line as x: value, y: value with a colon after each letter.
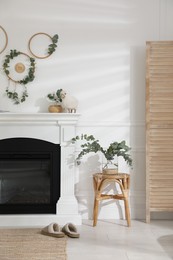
x: 70, y: 230
x: 53, y: 230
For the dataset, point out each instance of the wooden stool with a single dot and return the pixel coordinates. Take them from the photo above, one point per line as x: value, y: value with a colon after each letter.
x: 99, y: 182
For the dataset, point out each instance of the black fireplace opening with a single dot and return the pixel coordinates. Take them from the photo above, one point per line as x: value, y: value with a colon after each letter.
x: 29, y: 176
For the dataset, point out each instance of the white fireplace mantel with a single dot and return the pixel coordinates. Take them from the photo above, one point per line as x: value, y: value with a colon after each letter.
x: 41, y: 117
x: 57, y: 128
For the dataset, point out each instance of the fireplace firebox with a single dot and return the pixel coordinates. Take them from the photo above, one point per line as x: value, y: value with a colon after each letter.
x: 29, y: 176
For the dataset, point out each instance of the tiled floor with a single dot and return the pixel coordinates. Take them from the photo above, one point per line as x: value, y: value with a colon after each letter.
x: 111, y: 240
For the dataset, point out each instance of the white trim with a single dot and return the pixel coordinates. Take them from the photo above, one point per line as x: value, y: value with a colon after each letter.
x: 60, y: 118
x: 110, y: 124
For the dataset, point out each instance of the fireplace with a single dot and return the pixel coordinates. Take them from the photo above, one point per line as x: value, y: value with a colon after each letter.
x: 29, y: 176
x: 51, y: 132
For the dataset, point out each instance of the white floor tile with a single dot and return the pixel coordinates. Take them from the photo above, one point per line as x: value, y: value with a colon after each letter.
x: 89, y: 256
x: 151, y: 256
x: 113, y: 238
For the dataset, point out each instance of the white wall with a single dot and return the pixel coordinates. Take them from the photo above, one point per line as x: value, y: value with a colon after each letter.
x: 100, y: 59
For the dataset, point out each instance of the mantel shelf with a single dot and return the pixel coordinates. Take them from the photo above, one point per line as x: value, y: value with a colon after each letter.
x: 65, y: 118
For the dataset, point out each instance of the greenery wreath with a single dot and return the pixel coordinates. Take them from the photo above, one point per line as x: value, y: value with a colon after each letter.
x: 51, y: 47
x: 15, y: 96
x: 6, y: 66
x: 28, y: 78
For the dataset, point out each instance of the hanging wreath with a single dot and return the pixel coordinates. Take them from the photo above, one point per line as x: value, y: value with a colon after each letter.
x: 19, y: 68
x: 6, y: 39
x: 51, y: 47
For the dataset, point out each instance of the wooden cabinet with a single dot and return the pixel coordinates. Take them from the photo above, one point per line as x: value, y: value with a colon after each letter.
x: 159, y: 127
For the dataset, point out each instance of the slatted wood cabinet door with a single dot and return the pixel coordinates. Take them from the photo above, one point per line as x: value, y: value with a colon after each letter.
x: 159, y: 127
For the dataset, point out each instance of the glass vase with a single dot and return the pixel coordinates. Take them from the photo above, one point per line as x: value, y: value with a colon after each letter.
x: 110, y: 167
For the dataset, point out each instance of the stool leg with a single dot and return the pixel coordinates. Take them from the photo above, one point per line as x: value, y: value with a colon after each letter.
x: 95, y: 212
x: 127, y: 212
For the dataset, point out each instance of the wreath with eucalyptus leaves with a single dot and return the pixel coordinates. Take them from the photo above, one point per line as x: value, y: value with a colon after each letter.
x: 51, y: 47
x: 28, y: 78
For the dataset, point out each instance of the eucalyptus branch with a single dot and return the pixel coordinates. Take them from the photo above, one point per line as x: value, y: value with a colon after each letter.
x: 53, y: 45
x: 92, y: 145
x: 56, y: 96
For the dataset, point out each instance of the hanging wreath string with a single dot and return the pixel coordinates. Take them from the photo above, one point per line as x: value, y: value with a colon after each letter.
x: 28, y: 78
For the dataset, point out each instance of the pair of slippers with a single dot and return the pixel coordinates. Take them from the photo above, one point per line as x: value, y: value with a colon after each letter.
x: 55, y: 230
